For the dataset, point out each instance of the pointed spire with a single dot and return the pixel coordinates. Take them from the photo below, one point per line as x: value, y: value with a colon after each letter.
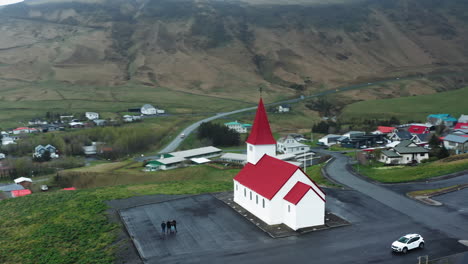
x: 261, y: 132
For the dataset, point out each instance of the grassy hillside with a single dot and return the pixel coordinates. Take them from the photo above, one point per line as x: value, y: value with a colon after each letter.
x: 409, y: 108
x: 227, y: 49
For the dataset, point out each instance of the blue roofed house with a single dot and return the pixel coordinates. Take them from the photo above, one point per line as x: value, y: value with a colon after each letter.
x: 239, y: 127
x: 442, y: 119
x: 40, y: 150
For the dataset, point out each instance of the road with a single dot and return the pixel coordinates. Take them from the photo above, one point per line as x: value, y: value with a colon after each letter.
x: 174, y: 144
x: 446, y: 221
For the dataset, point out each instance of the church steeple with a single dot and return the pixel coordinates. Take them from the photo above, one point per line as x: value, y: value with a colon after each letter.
x: 260, y: 141
x: 261, y: 132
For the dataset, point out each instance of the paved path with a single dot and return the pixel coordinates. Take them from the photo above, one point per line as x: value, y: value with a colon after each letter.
x: 447, y: 221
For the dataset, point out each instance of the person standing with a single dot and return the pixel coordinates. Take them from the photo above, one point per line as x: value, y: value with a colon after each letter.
x: 174, y: 224
x: 168, y: 226
x: 163, y: 227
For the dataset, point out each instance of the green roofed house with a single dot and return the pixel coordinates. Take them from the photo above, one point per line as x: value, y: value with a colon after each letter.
x: 404, y: 153
x: 239, y: 127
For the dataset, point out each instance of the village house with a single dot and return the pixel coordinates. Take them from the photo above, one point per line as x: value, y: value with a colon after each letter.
x: 239, y: 127
x: 463, y: 119
x: 421, y: 139
x: 7, y: 141
x: 234, y: 158
x: 461, y: 125
x: 131, y: 118
x: 384, y: 130
x: 276, y: 191
x: 23, y: 181
x: 329, y: 140
x: 40, y: 150
x: 148, y: 109
x: 364, y: 141
x: 406, y: 152
x: 37, y: 122
x: 284, y: 108
x: 289, y: 144
x: 2, y: 156
x: 420, y: 128
x: 100, y: 122
x: 91, y: 115
x: 399, y: 136
x: 456, y: 143
x: 166, y: 163
x: 24, y: 130
x: 441, y: 119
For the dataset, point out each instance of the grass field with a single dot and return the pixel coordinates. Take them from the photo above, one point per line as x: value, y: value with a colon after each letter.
x: 29, y: 100
x: 389, y: 174
x: 409, y: 108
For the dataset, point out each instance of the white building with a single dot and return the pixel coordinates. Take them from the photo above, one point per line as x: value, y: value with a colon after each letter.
x: 329, y: 140
x: 2, y: 156
x: 289, y: 144
x: 239, y: 127
x: 273, y: 190
x: 92, y: 115
x: 7, y: 140
x: 148, y: 109
x: 457, y: 143
x: 284, y: 108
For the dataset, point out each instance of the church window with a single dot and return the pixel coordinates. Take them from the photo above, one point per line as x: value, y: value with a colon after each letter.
x: 250, y: 148
x: 256, y: 198
x: 289, y: 208
x: 251, y: 195
x: 245, y: 192
x: 263, y: 200
x: 237, y: 187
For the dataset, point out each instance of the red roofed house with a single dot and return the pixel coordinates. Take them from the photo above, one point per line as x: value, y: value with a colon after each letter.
x: 419, y: 129
x: 384, y: 130
x: 276, y: 191
x: 461, y: 126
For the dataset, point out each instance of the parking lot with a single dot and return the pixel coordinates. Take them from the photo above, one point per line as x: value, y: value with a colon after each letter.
x: 211, y: 232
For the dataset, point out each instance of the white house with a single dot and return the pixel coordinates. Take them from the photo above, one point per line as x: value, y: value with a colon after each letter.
x: 284, y: 108
x: 239, y: 127
x: 234, y: 158
x: 276, y: 191
x: 92, y: 115
x: 148, y: 109
x: 289, y: 144
x: 463, y: 119
x: 457, y: 143
x: 22, y: 130
x: 404, y: 153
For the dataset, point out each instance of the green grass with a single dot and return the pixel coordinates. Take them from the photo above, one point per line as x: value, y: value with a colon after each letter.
x: 339, y: 148
x: 429, y: 192
x: 393, y: 174
x: 409, y: 108
x: 28, y: 100
x: 315, y: 173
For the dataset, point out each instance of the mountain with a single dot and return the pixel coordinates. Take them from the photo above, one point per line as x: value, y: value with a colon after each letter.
x: 229, y: 48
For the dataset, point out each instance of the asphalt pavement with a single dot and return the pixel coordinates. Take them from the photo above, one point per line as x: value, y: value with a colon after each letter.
x: 211, y: 232
x: 449, y: 222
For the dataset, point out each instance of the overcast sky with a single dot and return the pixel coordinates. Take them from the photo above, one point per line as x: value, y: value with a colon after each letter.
x: 7, y: 2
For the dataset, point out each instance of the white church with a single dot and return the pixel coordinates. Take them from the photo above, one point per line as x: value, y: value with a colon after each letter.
x: 273, y: 190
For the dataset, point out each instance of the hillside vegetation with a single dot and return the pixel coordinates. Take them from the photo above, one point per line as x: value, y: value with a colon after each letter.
x: 69, y: 51
x: 409, y: 108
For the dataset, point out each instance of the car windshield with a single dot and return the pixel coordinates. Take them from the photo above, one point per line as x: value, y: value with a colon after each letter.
x: 403, y: 239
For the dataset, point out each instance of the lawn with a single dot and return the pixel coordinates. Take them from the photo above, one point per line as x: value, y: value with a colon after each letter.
x: 409, y: 108
x: 393, y: 174
x: 315, y: 173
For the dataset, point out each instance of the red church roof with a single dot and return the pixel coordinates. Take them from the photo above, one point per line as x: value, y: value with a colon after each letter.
x: 261, y: 132
x: 461, y: 126
x: 297, y: 192
x: 267, y: 176
x: 19, y: 193
x: 385, y: 129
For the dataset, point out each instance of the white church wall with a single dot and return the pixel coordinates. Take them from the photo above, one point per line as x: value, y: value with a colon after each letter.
x: 290, y: 214
x: 258, y: 205
x: 256, y: 152
x: 310, y: 211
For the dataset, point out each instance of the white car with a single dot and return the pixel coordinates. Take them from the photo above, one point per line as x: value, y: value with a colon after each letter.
x: 408, y: 242
x: 44, y: 188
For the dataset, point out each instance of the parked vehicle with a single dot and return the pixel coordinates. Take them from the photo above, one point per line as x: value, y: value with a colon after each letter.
x: 182, y: 135
x: 44, y: 188
x: 408, y: 242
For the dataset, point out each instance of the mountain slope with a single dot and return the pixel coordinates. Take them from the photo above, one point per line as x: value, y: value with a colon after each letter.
x: 228, y: 48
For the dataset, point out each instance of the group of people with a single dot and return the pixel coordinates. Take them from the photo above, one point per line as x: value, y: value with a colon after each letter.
x: 170, y: 226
